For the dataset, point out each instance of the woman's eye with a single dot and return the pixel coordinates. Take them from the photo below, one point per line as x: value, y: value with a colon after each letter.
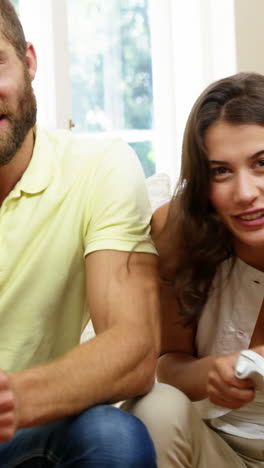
x: 218, y: 171
x: 260, y: 162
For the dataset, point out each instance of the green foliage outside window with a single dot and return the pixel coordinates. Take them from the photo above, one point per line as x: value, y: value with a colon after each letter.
x: 136, y: 61
x: 93, y: 58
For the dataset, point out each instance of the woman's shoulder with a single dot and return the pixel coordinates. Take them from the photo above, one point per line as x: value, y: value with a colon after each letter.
x: 165, y: 234
x: 159, y: 220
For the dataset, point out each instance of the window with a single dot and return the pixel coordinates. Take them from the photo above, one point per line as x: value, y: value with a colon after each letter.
x: 111, y: 71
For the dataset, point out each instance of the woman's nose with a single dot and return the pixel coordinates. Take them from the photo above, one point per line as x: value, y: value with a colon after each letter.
x: 246, y: 188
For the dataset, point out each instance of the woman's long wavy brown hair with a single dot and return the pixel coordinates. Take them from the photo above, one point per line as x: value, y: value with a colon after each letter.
x: 202, y: 240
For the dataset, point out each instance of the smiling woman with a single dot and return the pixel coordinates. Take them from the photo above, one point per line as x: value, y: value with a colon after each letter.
x: 222, y: 179
x: 211, y: 249
x: 237, y: 185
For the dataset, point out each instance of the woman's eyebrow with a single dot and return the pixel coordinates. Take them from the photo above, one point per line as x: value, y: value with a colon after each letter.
x: 215, y: 161
x: 253, y: 156
x: 258, y: 153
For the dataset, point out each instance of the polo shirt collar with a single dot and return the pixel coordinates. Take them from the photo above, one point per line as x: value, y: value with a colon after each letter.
x: 41, y: 168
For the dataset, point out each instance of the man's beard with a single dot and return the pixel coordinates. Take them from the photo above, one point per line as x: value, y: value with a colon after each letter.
x: 19, y: 123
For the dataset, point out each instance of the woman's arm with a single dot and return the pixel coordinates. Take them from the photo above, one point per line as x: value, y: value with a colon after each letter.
x: 211, y: 376
x: 178, y: 364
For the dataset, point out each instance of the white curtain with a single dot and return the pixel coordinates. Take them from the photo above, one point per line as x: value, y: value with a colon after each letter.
x: 193, y: 43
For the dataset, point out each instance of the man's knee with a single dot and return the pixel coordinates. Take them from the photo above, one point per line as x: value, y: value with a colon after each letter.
x: 108, y: 436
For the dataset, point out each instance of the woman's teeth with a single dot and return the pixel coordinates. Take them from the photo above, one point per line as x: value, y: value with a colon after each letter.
x: 252, y: 216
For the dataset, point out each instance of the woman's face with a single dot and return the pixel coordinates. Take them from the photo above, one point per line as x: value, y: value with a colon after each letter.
x: 236, y: 158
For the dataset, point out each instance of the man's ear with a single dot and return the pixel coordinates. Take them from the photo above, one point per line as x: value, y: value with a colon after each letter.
x: 31, y: 59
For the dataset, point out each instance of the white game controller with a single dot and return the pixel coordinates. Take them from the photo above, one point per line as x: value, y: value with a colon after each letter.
x: 250, y: 365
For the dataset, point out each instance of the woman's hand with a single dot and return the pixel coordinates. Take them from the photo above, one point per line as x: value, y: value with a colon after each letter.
x: 223, y: 388
x: 259, y: 350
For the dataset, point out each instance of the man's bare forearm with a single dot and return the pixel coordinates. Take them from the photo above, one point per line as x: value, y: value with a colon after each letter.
x: 115, y: 365
x: 118, y: 363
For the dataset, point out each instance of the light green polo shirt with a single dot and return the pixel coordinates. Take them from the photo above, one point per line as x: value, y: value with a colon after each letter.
x: 78, y: 195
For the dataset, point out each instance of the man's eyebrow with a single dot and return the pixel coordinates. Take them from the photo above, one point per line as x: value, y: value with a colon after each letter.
x: 253, y: 156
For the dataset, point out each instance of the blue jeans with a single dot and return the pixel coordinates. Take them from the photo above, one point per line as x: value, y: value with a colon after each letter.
x: 102, y: 436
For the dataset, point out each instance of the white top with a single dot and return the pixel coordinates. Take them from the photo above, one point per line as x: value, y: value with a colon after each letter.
x: 226, y: 325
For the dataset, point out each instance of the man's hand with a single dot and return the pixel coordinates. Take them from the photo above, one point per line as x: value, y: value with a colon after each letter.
x: 8, y: 413
x: 223, y: 388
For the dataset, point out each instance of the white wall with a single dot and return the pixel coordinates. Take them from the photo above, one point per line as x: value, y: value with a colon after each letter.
x: 45, y: 25
x: 249, y: 35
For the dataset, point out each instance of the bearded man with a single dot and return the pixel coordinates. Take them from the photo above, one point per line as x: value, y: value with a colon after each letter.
x: 74, y: 246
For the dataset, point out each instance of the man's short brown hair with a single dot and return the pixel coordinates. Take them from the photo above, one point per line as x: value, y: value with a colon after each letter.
x: 11, y: 28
